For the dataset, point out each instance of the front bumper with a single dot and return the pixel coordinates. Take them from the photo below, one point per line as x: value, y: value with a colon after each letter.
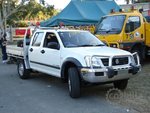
x: 109, y: 74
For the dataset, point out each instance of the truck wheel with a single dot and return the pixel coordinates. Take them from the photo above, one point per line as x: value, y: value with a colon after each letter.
x: 121, y: 84
x: 22, y: 71
x: 73, y: 82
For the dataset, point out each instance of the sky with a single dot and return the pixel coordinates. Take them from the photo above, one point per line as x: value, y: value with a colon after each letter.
x: 60, y: 4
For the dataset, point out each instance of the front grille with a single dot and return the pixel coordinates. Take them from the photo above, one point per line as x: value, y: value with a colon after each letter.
x: 105, y: 61
x: 120, y: 61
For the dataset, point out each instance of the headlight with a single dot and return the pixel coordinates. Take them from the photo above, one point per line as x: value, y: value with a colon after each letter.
x: 94, y: 61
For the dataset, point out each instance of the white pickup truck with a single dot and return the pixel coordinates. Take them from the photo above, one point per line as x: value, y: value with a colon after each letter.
x: 76, y: 57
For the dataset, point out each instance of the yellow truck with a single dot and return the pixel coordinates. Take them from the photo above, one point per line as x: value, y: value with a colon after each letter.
x: 125, y: 30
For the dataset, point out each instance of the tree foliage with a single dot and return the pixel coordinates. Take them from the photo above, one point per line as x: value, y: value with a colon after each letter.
x: 17, y: 10
x: 7, y: 8
x: 33, y: 10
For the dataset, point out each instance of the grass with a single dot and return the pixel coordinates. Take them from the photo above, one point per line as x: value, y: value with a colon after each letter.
x: 141, y: 86
x: 137, y: 95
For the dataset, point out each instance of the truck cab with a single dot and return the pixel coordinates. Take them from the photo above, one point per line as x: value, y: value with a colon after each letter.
x: 125, y: 30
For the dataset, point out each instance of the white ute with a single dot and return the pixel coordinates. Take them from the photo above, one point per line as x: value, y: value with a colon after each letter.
x: 76, y: 57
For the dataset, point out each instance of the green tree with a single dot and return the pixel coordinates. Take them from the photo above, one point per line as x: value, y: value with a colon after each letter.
x: 7, y: 8
x: 33, y: 10
x: 16, y: 10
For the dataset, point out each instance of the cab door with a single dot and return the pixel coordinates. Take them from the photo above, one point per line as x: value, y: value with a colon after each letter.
x: 50, y: 55
x: 34, y: 51
x: 134, y: 29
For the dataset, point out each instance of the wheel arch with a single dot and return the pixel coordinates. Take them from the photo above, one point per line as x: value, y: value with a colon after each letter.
x: 69, y: 62
x: 141, y: 47
x: 25, y: 74
x: 137, y: 44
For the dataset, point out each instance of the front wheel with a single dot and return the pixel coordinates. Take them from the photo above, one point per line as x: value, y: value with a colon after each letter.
x: 121, y: 84
x: 22, y: 71
x: 73, y: 82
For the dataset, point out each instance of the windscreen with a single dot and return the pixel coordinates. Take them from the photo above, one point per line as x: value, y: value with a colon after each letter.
x: 79, y: 39
x: 110, y: 24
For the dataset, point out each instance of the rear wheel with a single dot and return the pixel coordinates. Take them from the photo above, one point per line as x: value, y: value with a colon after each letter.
x: 121, y: 84
x: 73, y: 82
x: 22, y: 71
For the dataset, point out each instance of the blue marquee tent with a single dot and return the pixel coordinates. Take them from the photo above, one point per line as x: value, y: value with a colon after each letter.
x: 82, y: 12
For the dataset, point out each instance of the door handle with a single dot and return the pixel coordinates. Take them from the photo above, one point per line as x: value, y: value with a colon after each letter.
x: 42, y: 51
x: 31, y: 49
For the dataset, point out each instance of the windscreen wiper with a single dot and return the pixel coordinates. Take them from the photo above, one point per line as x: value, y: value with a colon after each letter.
x: 99, y: 45
x: 87, y: 45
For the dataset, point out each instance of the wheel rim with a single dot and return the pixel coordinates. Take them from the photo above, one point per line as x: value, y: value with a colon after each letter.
x: 21, y: 69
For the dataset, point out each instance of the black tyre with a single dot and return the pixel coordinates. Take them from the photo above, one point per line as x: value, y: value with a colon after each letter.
x: 74, y: 82
x: 22, y: 71
x: 121, y: 84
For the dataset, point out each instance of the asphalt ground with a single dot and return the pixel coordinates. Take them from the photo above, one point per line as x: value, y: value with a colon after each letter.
x: 46, y: 94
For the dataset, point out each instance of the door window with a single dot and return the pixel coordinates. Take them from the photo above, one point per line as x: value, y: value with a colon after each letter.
x: 132, y: 24
x: 37, y: 39
x: 51, y: 41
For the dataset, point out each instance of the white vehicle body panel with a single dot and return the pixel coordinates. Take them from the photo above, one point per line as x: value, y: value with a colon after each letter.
x: 13, y: 50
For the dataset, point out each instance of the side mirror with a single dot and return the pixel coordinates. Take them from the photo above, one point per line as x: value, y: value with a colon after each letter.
x: 53, y: 45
